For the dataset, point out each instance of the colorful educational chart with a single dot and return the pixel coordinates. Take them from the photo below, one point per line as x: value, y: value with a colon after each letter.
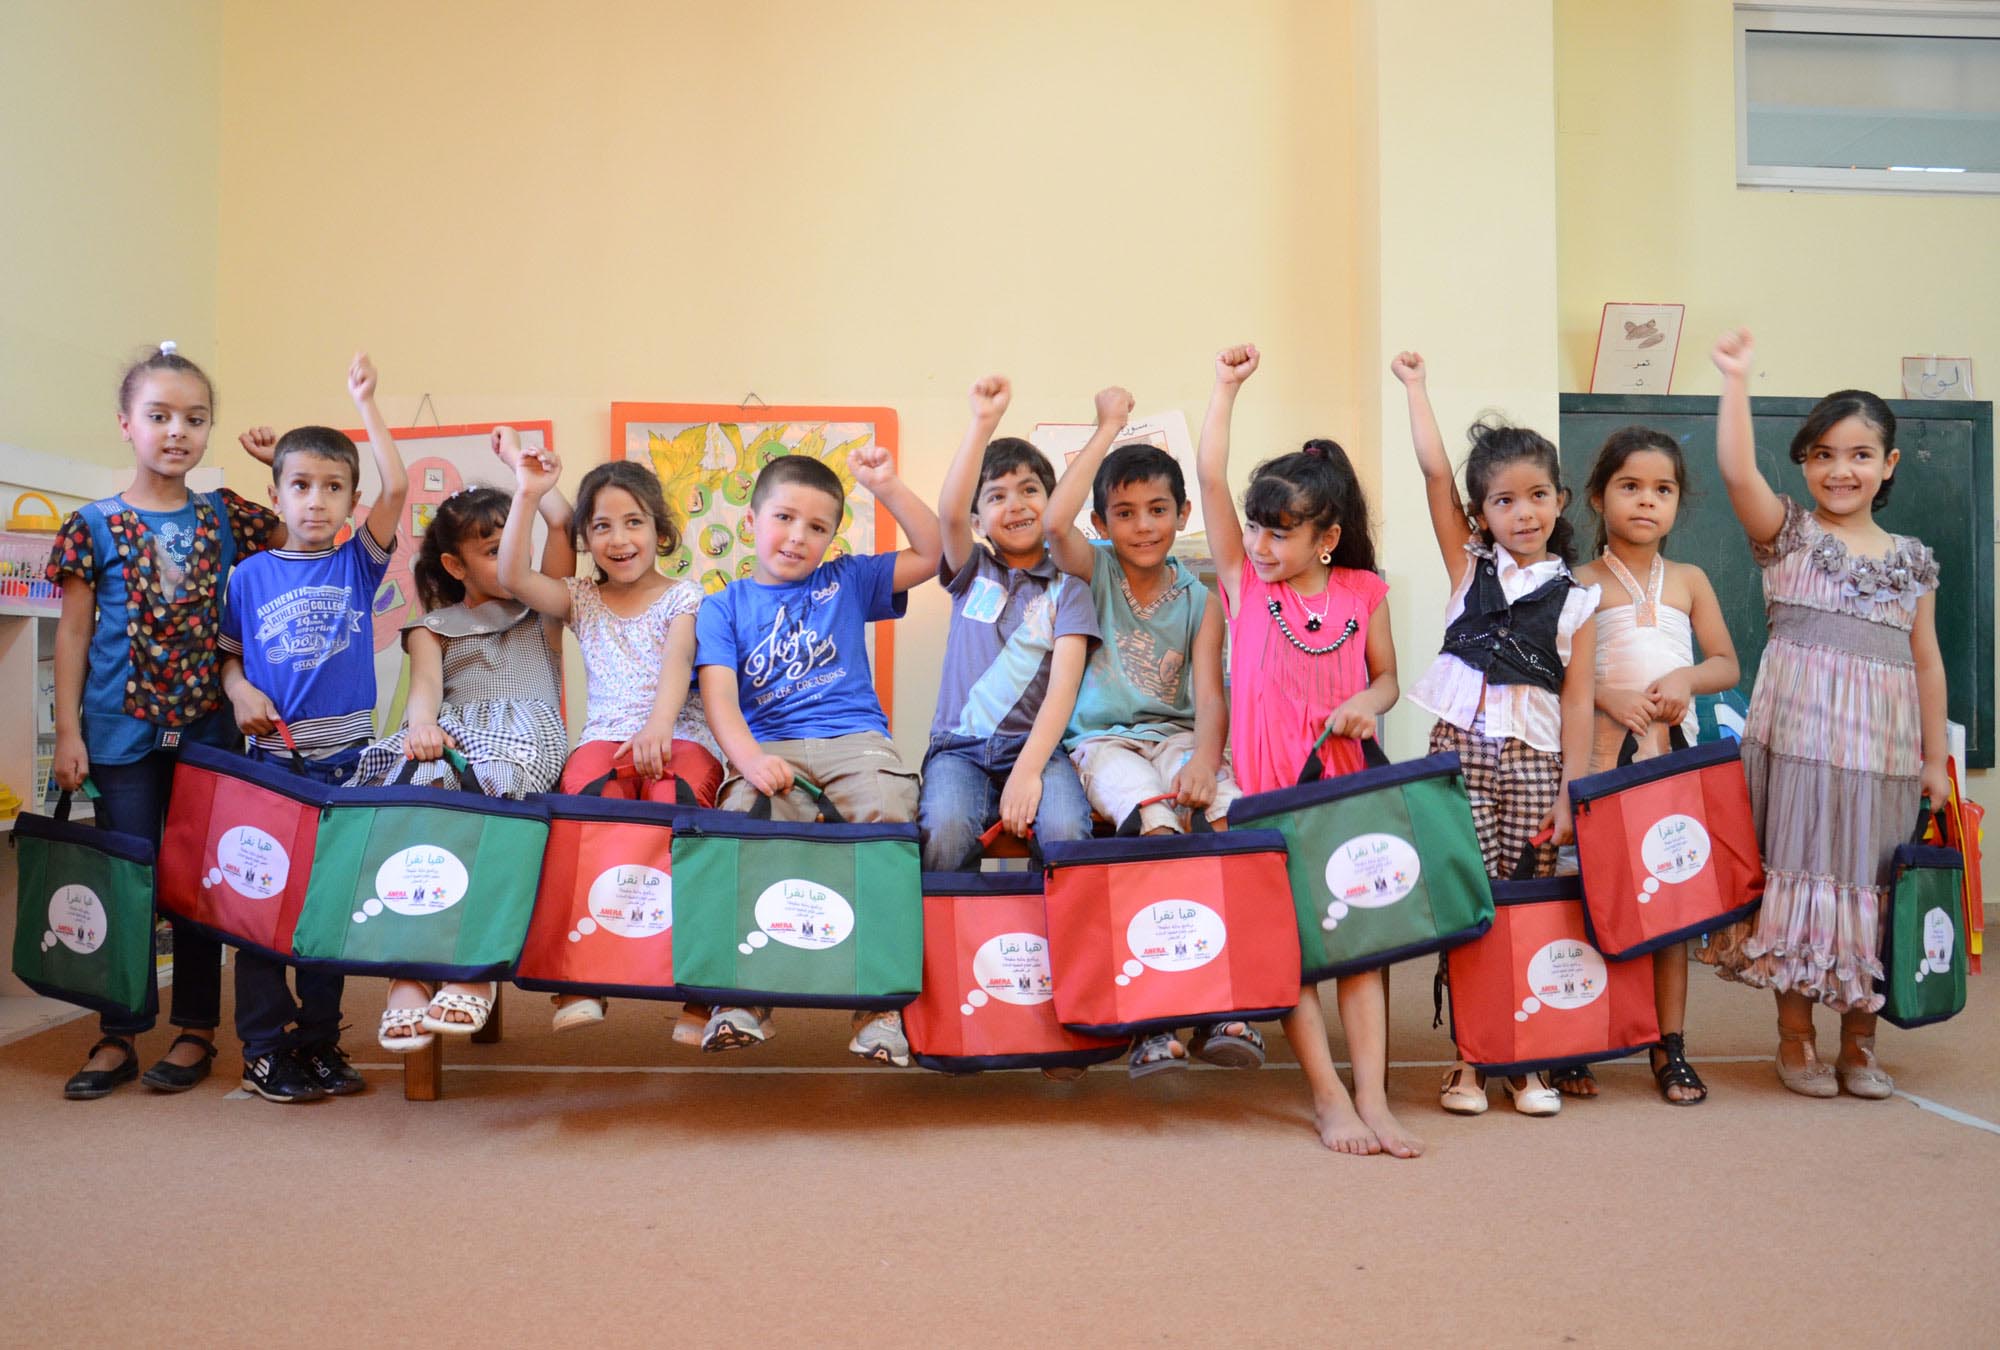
x: 441, y: 460
x: 707, y: 456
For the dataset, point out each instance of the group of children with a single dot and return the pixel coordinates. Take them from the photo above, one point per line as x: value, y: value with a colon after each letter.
x: 1080, y: 681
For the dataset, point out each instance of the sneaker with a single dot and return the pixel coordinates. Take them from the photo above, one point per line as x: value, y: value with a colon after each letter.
x: 326, y: 1064
x: 880, y: 1040
x: 734, y: 1029
x: 279, y: 1077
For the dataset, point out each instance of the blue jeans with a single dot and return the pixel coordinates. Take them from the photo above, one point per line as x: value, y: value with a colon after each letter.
x: 133, y: 800
x: 267, y: 1017
x: 961, y: 797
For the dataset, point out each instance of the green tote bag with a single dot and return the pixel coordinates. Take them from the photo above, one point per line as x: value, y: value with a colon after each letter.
x: 83, y: 929
x: 1923, y: 936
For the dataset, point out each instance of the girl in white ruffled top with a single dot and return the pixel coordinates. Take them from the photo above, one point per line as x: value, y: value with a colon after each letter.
x: 1647, y: 675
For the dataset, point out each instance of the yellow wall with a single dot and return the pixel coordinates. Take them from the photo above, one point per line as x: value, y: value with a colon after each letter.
x: 1836, y: 287
x: 533, y: 210
x: 109, y: 139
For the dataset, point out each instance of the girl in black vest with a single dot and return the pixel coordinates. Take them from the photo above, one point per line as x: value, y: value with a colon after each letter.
x: 1512, y: 688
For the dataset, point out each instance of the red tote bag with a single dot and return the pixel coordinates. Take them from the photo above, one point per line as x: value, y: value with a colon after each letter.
x: 1668, y: 847
x: 236, y: 850
x: 1167, y: 931
x: 988, y: 1000
x: 1534, y: 993
x: 604, y: 912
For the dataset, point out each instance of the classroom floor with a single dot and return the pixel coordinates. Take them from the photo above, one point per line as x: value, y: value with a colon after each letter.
x: 607, y: 1188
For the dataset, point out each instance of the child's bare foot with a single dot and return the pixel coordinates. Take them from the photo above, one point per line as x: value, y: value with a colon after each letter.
x: 1342, y: 1130
x: 1396, y: 1141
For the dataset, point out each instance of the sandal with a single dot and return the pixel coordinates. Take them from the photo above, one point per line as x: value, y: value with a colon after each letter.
x: 167, y: 1076
x: 89, y: 1084
x: 1230, y: 1045
x: 1866, y: 1079
x: 476, y: 1007
x: 1674, y: 1071
x: 1570, y: 1079
x: 402, y: 1031
x: 1463, y: 1092
x: 580, y: 1013
x: 1812, y: 1078
x: 1157, y: 1054
x: 1535, y: 1097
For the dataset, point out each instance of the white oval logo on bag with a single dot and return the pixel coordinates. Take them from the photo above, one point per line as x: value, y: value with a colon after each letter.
x: 1675, y: 849
x: 1014, y: 968
x: 421, y: 880
x: 76, y: 919
x: 1371, y: 871
x: 633, y: 901
x: 1175, y: 935
x: 804, y: 914
x: 1563, y: 975
x: 252, y: 862
x: 1940, y: 936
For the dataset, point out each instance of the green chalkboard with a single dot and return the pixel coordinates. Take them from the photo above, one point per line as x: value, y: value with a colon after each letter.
x: 1943, y: 496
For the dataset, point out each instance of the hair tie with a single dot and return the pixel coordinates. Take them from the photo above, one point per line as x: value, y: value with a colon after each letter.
x: 169, y: 347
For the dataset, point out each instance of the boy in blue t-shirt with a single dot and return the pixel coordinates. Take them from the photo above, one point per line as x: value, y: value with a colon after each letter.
x: 298, y: 649
x: 1021, y: 631
x: 785, y: 681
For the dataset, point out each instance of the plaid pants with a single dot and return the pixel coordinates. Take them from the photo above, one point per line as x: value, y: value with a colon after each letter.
x: 1512, y: 786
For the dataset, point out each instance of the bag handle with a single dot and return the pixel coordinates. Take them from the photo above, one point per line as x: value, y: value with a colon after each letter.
x: 285, y: 735
x: 1313, y: 770
x: 829, y: 814
x: 1524, y: 866
x: 89, y: 790
x: 992, y: 837
x: 467, y: 780
x: 1128, y: 828
x: 1929, y: 818
x: 1629, y: 748
x: 683, y: 790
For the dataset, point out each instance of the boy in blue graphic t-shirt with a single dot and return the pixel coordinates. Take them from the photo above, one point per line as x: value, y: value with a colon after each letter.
x: 298, y: 649
x: 784, y: 676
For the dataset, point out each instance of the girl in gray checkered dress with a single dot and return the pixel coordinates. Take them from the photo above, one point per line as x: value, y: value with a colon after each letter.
x: 485, y: 691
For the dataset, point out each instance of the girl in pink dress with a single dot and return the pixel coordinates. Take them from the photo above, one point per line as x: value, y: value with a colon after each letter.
x: 1309, y: 650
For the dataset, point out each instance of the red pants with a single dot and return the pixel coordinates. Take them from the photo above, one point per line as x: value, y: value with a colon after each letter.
x: 689, y: 762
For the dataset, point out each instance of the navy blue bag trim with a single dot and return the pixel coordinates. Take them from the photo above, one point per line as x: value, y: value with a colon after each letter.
x: 765, y: 998
x: 660, y: 993
x: 1538, y: 891
x: 1652, y: 770
x: 959, y: 1065
x: 607, y: 810
x: 94, y: 1002
x: 269, y: 775
x: 739, y: 825
x: 408, y: 970
x: 981, y: 883
x: 1280, y: 800
x: 1158, y: 847
x: 127, y: 847
x: 1908, y: 857
x: 1153, y: 1025
x: 1442, y: 943
x: 1525, y: 1066
x: 1653, y: 944
x: 469, y: 800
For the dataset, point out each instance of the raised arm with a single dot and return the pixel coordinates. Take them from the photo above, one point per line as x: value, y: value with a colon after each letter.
x: 1448, y: 519
x: 1760, y: 510
x: 387, y: 508
x: 1233, y: 365
x: 534, y: 478
x: 261, y: 444
x: 559, y: 548
x: 1068, y: 545
x: 918, y: 563
x: 989, y: 398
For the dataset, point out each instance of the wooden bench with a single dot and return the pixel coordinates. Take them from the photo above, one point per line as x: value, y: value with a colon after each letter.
x: 423, y: 1070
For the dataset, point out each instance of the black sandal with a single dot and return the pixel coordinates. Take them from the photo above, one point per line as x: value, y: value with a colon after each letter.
x: 89, y: 1084
x: 1566, y: 1078
x: 1676, y: 1072
x: 167, y: 1076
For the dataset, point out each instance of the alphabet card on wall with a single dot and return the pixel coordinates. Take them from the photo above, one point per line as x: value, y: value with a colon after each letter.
x: 707, y: 456
x: 1636, y: 345
x: 1937, y: 377
x: 441, y: 460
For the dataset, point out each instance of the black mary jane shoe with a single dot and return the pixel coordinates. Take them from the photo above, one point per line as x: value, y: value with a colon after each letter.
x: 167, y: 1076
x: 89, y: 1084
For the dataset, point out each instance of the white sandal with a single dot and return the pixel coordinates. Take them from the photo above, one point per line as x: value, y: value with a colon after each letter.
x: 407, y: 1021
x: 1463, y: 1092
x: 472, y: 1005
x: 1535, y: 1097
x: 581, y: 1013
